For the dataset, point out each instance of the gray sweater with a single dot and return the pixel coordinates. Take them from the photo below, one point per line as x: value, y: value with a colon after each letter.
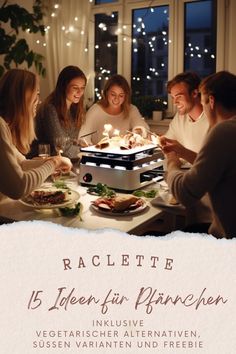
x: 48, y: 128
x: 213, y: 172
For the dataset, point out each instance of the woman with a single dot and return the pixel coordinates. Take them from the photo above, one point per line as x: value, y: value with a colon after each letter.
x: 61, y: 115
x: 214, y: 169
x: 115, y: 108
x: 19, y: 96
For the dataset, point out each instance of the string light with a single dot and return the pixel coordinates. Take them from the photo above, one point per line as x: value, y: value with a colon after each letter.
x: 153, y: 41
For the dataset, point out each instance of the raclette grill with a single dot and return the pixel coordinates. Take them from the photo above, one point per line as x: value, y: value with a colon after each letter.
x: 124, y: 170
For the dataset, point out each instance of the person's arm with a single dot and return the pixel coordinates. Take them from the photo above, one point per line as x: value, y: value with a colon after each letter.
x: 136, y: 119
x: 190, y: 186
x: 170, y: 145
x: 90, y: 125
x: 14, y: 181
x: 169, y: 142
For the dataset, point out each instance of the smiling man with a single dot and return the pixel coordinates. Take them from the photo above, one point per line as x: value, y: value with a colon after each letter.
x: 189, y: 126
x: 214, y: 170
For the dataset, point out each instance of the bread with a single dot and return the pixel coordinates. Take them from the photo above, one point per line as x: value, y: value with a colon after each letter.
x: 43, y: 197
x: 123, y: 202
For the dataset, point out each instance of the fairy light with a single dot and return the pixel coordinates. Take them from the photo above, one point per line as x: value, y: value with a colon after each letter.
x: 192, y: 50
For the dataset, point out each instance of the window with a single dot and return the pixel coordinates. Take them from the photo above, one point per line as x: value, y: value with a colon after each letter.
x: 151, y: 44
x: 200, y: 37
x: 105, y: 49
x: 99, y: 2
x: 150, y: 51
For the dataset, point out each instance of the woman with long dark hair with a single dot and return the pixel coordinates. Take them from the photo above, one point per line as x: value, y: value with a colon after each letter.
x: 61, y: 115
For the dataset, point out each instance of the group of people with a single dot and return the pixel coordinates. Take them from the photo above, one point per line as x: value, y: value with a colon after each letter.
x: 62, y: 114
x: 201, y: 133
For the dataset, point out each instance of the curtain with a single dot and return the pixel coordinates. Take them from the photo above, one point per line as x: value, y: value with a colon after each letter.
x: 67, y: 37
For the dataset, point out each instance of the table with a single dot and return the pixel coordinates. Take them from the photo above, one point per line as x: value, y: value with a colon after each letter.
x: 133, y: 224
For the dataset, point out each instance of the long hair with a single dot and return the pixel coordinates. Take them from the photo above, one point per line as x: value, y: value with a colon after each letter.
x: 222, y: 86
x: 16, y: 89
x: 117, y: 80
x: 58, y: 96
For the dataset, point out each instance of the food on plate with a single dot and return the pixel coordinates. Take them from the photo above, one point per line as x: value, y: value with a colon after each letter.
x: 44, y: 197
x: 119, y: 203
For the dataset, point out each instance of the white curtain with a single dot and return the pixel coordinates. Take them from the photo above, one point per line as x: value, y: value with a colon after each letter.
x: 67, y: 38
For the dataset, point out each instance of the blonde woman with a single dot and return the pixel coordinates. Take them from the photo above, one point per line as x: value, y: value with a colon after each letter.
x: 114, y: 108
x: 19, y: 96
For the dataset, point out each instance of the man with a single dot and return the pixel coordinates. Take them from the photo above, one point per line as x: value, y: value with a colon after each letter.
x: 214, y: 169
x: 185, y: 136
x: 189, y: 126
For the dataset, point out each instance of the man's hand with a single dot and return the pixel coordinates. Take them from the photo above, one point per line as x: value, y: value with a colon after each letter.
x: 173, y: 160
x: 171, y: 145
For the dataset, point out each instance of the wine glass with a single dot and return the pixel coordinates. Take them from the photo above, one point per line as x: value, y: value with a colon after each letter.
x: 44, y: 150
x: 60, y: 144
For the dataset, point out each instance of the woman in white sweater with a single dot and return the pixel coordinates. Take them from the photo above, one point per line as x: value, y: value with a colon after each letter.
x: 115, y: 108
x: 19, y: 96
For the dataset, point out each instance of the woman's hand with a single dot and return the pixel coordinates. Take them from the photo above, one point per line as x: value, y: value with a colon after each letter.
x: 61, y: 163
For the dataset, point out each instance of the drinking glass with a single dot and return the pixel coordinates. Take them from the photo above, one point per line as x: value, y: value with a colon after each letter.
x: 44, y: 150
x: 60, y: 144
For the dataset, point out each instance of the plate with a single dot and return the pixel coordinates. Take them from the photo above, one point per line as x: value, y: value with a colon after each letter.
x: 119, y: 213
x: 72, y: 197
x: 164, y: 202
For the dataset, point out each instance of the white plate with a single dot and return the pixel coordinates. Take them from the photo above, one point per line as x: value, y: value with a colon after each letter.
x: 72, y: 197
x: 164, y: 202
x: 119, y: 213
